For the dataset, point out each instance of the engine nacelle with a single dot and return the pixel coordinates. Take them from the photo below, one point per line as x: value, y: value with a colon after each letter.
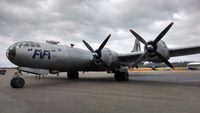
x: 110, y: 58
x: 161, y: 48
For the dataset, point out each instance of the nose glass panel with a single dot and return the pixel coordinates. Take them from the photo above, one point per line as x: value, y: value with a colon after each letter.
x: 11, y: 52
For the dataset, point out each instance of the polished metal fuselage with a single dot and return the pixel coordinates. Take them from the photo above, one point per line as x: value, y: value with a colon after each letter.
x: 62, y: 58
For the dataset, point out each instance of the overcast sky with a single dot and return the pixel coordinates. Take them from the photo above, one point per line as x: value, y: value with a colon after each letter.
x: 71, y: 21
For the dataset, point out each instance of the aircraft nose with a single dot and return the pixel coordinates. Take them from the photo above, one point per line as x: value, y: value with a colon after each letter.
x: 11, y: 52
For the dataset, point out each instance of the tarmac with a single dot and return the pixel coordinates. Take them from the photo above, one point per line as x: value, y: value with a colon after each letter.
x: 98, y: 92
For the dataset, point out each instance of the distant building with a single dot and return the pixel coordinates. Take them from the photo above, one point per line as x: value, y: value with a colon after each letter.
x: 193, y: 66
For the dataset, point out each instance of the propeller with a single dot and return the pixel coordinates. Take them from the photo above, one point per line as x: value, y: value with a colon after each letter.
x: 151, y: 47
x: 97, y: 53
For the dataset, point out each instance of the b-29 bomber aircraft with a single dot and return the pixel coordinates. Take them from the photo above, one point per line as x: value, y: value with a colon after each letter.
x: 50, y: 57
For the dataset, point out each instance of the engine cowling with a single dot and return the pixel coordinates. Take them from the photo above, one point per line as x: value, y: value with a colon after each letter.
x: 161, y: 48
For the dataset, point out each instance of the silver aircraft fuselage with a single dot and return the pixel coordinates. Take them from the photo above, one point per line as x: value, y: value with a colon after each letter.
x: 56, y: 57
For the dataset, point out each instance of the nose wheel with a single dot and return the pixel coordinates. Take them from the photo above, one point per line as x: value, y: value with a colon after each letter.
x: 17, y: 81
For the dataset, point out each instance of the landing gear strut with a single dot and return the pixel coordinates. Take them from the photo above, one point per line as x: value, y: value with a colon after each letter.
x: 73, y: 75
x: 17, y: 81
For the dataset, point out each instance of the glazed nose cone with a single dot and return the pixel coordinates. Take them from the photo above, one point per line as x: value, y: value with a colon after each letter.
x: 11, y: 52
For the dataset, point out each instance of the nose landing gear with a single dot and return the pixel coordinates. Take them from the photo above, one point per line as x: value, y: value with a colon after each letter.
x: 17, y: 81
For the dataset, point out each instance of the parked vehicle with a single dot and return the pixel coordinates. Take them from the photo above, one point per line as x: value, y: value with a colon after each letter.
x: 2, y: 71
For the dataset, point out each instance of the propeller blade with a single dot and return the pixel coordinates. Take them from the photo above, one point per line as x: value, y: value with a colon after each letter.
x: 97, y: 54
x: 164, y: 60
x: 104, y: 64
x: 138, y: 37
x: 159, y: 37
x: 103, y: 43
x: 138, y: 60
x: 88, y: 46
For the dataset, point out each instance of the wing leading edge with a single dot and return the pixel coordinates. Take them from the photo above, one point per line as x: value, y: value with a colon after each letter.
x: 184, y: 51
x: 173, y: 52
x: 130, y: 57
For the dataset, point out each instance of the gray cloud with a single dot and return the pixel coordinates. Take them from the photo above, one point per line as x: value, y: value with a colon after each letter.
x: 70, y: 21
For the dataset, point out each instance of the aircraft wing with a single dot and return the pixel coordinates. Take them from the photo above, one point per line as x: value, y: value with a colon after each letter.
x: 130, y: 57
x: 184, y: 51
x: 173, y: 52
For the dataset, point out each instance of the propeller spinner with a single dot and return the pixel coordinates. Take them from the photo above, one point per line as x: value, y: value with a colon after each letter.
x: 97, y: 53
x: 151, y: 47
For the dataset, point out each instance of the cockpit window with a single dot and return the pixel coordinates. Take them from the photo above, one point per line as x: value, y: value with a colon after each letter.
x: 18, y: 45
x: 37, y: 44
x: 26, y: 45
x: 32, y: 44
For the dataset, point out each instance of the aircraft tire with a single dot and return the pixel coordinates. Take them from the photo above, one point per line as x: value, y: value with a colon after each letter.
x: 73, y: 75
x: 17, y: 82
x: 121, y: 76
x: 12, y: 83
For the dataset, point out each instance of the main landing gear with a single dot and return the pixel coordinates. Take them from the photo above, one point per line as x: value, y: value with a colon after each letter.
x: 121, y: 75
x: 17, y: 81
x: 73, y: 75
